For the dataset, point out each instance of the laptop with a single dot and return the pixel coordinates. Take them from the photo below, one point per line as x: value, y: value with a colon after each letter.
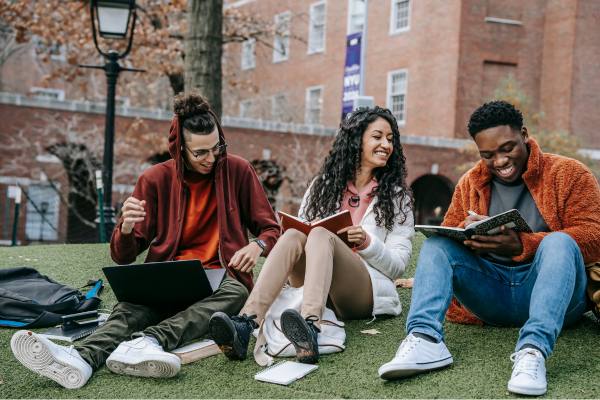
x: 171, y: 285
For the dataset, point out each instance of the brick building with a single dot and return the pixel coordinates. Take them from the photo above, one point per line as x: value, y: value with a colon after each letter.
x: 432, y: 62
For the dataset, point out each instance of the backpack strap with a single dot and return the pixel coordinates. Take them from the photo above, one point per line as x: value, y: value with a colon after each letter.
x: 44, y: 320
x: 97, y: 287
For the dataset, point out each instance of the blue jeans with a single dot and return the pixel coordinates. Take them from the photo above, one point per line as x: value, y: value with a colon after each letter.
x: 539, y: 297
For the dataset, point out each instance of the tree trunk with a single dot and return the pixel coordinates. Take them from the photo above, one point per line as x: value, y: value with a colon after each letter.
x: 203, y: 50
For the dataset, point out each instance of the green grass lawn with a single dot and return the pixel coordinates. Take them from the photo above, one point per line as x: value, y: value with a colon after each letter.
x: 481, y: 355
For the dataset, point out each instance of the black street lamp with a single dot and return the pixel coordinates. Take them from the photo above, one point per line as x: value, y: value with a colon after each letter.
x: 111, y: 19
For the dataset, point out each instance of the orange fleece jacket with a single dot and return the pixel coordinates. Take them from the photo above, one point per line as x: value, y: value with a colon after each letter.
x: 564, y: 190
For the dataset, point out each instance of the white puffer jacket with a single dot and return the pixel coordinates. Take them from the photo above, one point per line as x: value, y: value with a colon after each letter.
x: 386, y: 257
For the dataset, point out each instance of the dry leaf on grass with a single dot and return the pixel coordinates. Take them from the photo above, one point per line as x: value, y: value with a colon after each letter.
x: 370, y: 332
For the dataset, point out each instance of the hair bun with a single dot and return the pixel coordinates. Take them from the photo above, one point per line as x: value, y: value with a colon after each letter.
x: 186, y: 105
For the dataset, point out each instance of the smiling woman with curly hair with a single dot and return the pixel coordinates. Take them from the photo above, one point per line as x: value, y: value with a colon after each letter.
x: 364, y: 173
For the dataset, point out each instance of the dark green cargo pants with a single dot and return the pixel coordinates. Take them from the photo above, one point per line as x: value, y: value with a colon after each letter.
x: 171, y: 331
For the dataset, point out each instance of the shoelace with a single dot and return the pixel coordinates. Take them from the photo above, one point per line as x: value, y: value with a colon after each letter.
x: 139, y: 337
x: 526, y: 361
x: 310, y: 320
x: 407, y: 345
x: 249, y: 319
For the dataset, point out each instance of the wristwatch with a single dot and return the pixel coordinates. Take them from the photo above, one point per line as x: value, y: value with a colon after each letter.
x: 261, y: 243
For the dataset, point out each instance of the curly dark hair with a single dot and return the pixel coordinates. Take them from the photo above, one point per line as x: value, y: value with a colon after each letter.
x: 194, y: 113
x: 495, y: 113
x: 343, y: 161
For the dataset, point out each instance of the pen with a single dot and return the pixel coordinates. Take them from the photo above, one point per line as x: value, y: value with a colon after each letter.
x: 472, y: 213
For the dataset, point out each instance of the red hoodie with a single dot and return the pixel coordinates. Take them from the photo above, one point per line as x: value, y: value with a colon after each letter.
x: 242, y: 207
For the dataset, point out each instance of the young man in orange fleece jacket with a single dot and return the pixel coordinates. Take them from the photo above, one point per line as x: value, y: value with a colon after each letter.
x: 532, y: 280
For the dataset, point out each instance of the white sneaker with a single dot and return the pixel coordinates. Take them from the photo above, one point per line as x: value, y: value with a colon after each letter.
x: 414, y: 356
x: 529, y: 373
x: 143, y: 356
x: 62, y: 364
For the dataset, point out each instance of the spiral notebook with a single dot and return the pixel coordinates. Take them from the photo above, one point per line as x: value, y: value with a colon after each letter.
x: 285, y: 372
x: 70, y: 335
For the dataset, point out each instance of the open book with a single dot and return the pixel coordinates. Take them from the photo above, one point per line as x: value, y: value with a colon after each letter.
x: 511, y: 219
x: 196, y: 351
x: 285, y: 372
x: 333, y: 224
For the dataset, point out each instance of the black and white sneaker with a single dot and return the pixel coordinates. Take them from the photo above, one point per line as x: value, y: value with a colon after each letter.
x: 232, y: 334
x: 303, y: 334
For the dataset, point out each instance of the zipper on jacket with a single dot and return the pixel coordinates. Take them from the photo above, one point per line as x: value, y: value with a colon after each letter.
x: 223, y: 265
x: 180, y: 219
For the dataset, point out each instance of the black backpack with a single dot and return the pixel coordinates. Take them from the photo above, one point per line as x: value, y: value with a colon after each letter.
x: 29, y: 299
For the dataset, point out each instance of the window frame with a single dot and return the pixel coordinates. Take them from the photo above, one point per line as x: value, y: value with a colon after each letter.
x: 389, y: 93
x: 276, y: 110
x: 393, y: 11
x: 249, y: 104
x: 33, y: 228
x: 311, y: 27
x: 278, y: 57
x: 307, y: 110
x: 248, y: 54
x: 350, y: 14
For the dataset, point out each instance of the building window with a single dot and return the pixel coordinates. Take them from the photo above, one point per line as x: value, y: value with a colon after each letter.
x: 246, y: 108
x: 396, y: 94
x: 357, y: 10
x: 400, y: 16
x: 41, y: 222
x: 314, y: 104
x: 56, y: 51
x: 46, y: 93
x: 279, y: 108
x: 248, y: 54
x: 316, y: 29
x: 281, y: 45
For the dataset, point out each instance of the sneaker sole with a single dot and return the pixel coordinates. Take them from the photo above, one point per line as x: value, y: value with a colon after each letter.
x: 398, y: 371
x: 35, y: 354
x: 225, y: 336
x: 156, y: 368
x: 297, y: 331
x: 526, y: 391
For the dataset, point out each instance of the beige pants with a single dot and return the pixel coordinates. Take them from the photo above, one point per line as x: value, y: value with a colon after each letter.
x: 324, y: 265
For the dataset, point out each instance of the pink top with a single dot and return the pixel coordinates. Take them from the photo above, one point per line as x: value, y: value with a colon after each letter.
x: 360, y: 201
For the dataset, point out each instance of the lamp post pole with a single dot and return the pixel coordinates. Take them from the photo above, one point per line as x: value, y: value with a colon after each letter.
x: 116, y: 20
x: 111, y: 69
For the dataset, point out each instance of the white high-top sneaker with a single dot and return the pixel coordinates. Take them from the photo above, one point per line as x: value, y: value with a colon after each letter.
x: 529, y: 373
x: 414, y: 356
x: 62, y: 364
x: 143, y: 356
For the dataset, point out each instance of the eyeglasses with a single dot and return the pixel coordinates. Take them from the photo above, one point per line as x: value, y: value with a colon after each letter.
x: 203, y: 153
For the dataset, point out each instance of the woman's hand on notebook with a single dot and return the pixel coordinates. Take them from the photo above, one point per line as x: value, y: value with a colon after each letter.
x: 356, y: 234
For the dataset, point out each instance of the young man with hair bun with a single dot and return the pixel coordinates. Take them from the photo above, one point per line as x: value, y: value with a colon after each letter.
x: 198, y: 205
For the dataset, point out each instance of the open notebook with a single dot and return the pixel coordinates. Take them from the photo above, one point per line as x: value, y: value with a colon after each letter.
x: 285, y: 372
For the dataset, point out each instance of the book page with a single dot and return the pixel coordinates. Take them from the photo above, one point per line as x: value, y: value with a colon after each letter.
x: 290, y: 222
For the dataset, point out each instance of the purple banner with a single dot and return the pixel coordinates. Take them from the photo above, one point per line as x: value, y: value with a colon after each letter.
x: 351, y: 88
